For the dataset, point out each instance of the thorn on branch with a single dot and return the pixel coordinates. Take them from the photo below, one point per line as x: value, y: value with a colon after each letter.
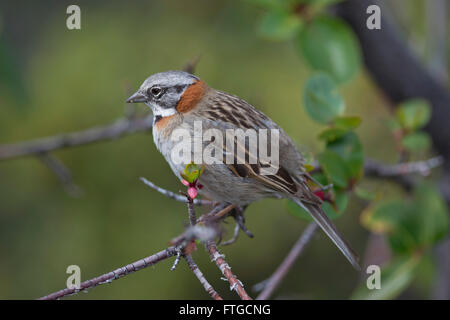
x: 224, y: 267
x: 177, y: 260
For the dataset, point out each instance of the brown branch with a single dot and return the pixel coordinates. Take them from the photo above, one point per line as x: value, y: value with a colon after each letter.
x: 215, y: 215
x: 223, y: 266
x: 113, y: 131
x: 193, y: 266
x: 113, y: 275
x: 401, y: 173
x: 191, y: 211
x: 418, y: 167
x: 177, y: 245
x: 275, y: 279
x: 235, y: 283
x: 117, y: 129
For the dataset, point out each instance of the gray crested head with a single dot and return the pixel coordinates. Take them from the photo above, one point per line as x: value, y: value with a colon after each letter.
x: 170, y: 79
x: 162, y: 91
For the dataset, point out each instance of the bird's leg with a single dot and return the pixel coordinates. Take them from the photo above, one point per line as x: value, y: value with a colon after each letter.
x: 235, y: 236
x: 238, y: 214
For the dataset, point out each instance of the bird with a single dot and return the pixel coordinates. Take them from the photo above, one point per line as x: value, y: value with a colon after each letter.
x: 179, y: 99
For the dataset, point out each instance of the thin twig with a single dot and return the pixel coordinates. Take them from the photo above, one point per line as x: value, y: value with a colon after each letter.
x: 208, y: 287
x: 117, y: 129
x: 191, y: 211
x: 192, y: 233
x: 401, y: 173
x: 214, y: 216
x: 112, y: 131
x: 174, y: 196
x: 235, y: 283
x: 113, y: 275
x: 62, y: 172
x: 275, y: 279
x: 419, y: 167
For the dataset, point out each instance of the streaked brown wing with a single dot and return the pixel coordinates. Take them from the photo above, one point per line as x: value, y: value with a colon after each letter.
x: 240, y: 114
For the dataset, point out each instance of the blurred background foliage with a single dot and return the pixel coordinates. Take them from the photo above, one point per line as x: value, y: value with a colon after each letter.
x: 54, y: 80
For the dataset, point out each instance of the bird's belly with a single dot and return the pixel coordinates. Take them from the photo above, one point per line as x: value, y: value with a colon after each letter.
x: 221, y: 185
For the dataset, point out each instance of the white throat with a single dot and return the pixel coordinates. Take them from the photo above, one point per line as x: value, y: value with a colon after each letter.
x: 162, y: 112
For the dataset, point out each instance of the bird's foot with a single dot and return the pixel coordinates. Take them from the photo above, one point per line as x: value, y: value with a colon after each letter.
x: 238, y: 214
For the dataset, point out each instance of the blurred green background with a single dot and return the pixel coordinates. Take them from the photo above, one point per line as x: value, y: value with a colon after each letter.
x: 57, y: 80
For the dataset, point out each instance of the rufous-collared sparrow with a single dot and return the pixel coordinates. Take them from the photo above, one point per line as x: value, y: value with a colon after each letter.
x: 179, y: 100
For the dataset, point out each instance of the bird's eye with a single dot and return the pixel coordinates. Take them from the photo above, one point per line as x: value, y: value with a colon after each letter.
x: 155, y: 91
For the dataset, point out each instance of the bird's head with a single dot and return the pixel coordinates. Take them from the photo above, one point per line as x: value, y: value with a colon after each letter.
x: 167, y: 93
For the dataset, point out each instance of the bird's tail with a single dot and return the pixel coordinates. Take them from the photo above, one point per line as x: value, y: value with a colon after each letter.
x: 329, y: 228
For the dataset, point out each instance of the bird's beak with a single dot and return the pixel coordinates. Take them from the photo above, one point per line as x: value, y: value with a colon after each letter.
x: 136, y: 98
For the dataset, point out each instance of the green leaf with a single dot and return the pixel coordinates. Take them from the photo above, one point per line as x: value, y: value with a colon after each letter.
x: 395, y: 278
x: 413, y: 114
x: 347, y: 123
x: 411, y: 225
x: 192, y: 172
x: 332, y: 134
x: 329, y: 44
x: 434, y: 220
x: 364, y: 194
x: 279, y: 25
x: 341, y: 126
x: 322, y: 99
x: 393, y: 218
x: 393, y: 124
x: 335, y: 168
x: 349, y: 148
x: 382, y: 217
x: 416, y: 141
x: 341, y: 203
